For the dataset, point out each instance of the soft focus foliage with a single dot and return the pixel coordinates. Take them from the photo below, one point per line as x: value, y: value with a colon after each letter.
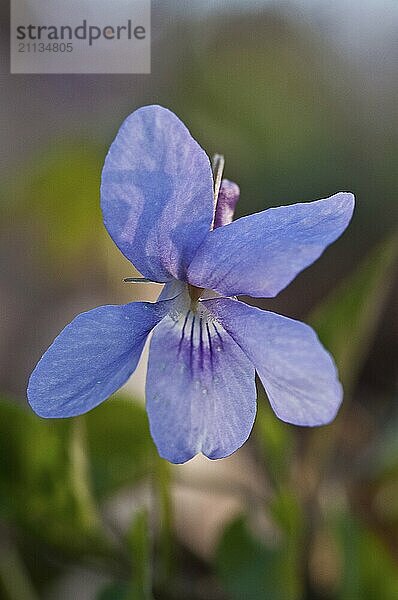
x: 56, y: 475
x: 347, y: 320
x: 87, y: 508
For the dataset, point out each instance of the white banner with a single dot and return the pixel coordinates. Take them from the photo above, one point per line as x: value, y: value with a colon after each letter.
x: 80, y: 36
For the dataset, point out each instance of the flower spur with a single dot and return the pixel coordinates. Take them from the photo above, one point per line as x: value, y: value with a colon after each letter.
x: 169, y: 217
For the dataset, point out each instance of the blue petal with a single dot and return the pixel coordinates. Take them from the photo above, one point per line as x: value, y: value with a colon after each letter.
x: 157, y: 193
x: 201, y: 394
x: 261, y: 254
x: 298, y: 374
x: 91, y: 358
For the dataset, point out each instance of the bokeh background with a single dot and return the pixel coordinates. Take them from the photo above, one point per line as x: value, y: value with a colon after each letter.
x: 301, y: 97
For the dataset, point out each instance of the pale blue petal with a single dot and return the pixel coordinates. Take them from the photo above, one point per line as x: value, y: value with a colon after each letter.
x: 157, y: 193
x: 298, y: 374
x: 201, y: 394
x: 91, y: 358
x: 261, y: 254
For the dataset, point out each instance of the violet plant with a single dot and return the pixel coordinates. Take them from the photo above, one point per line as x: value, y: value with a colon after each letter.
x: 171, y: 216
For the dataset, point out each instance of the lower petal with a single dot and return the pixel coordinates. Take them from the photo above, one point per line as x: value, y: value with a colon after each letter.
x: 298, y: 374
x: 201, y: 394
x: 91, y: 358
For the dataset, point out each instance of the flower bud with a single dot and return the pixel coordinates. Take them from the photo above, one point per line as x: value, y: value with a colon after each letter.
x: 228, y: 197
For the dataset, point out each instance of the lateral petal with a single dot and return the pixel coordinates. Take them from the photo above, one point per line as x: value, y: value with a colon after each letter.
x: 91, y: 358
x: 298, y: 374
x: 261, y: 254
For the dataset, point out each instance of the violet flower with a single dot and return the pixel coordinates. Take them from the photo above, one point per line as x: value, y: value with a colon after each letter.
x: 158, y: 202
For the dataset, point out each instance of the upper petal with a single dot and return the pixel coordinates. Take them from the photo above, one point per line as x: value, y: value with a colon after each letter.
x: 298, y: 374
x: 261, y: 254
x: 91, y: 358
x: 157, y: 193
x: 200, y: 391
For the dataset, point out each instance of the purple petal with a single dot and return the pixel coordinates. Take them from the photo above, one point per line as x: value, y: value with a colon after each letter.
x: 261, y: 254
x: 157, y: 193
x: 91, y: 358
x: 298, y: 374
x: 201, y: 394
x: 228, y: 197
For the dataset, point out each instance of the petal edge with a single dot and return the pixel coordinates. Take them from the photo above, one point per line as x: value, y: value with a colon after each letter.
x: 157, y: 193
x: 201, y: 395
x: 298, y: 374
x: 91, y: 358
x: 261, y: 254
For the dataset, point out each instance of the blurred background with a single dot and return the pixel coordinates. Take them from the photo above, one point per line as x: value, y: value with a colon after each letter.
x: 301, y: 97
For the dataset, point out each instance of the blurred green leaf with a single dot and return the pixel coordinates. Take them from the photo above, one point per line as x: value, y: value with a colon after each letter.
x: 120, y: 445
x: 346, y: 322
x: 43, y: 481
x: 275, y: 440
x: 15, y: 582
x: 59, y: 197
x: 382, y: 453
x: 287, y: 513
x: 49, y: 467
x: 114, y: 591
x: 123, y: 453
x: 248, y: 568
x: 369, y: 573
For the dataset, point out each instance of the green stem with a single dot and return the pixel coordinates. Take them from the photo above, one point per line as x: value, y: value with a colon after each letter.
x: 140, y: 542
x: 166, y: 522
x: 79, y: 474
